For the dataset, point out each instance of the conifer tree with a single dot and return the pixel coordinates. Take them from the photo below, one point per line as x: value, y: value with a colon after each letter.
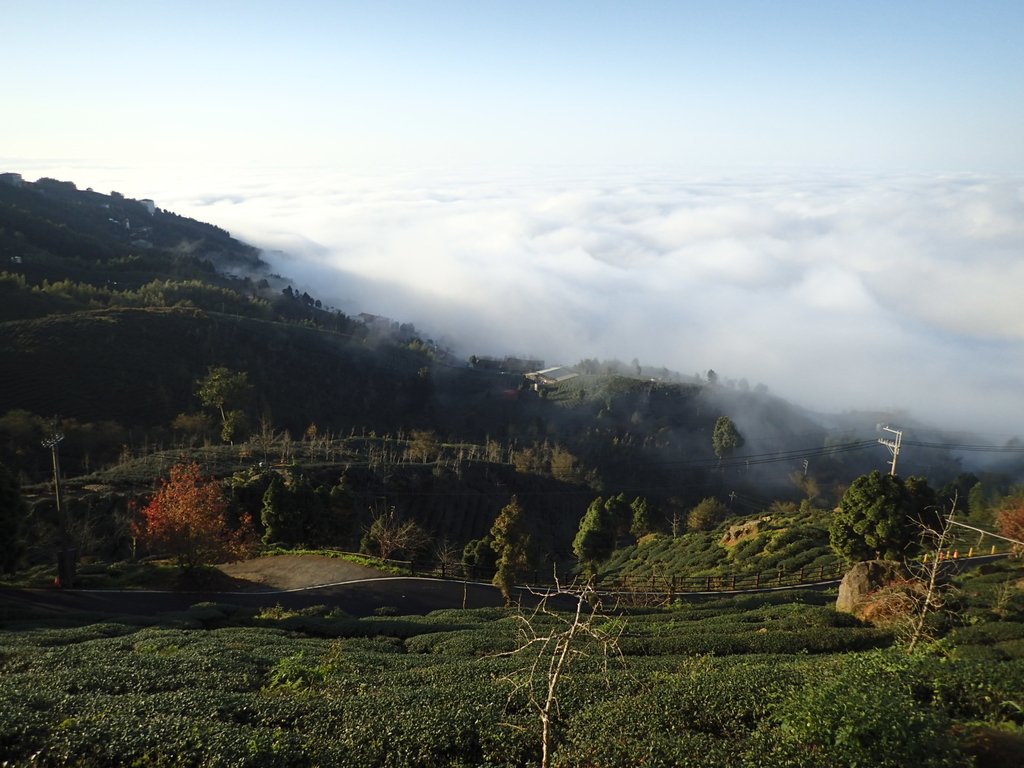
x: 641, y: 524
x: 511, y: 544
x: 595, y: 540
x: 726, y: 438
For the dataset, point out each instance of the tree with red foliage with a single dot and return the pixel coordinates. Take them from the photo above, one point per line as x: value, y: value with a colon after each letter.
x: 1010, y: 519
x: 186, y: 519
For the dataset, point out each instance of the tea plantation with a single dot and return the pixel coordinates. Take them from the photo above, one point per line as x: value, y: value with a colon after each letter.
x: 747, y: 681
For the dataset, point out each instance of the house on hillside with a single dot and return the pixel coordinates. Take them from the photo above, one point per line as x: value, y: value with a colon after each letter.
x: 11, y: 179
x: 550, y: 377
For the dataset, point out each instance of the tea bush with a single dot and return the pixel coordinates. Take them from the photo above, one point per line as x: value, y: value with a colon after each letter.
x: 861, y: 713
x: 732, y: 682
x: 988, y: 633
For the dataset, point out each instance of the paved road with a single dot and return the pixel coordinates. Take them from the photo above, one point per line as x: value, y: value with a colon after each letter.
x: 358, y: 598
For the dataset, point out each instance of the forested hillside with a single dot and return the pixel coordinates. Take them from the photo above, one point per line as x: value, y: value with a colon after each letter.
x: 117, y: 320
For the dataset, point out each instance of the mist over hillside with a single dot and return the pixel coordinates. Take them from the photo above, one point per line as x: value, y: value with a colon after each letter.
x: 649, y: 405
x: 138, y: 309
x: 838, y: 292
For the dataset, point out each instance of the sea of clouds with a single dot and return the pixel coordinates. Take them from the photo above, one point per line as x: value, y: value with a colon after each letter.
x: 852, y: 292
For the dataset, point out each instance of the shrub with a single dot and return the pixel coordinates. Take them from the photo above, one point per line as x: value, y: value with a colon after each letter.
x: 976, y: 689
x: 861, y: 714
x: 989, y: 632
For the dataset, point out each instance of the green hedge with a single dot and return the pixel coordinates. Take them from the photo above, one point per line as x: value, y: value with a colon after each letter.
x: 731, y: 684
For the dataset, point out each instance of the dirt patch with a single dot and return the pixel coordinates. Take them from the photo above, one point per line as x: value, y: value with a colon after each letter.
x: 296, y: 571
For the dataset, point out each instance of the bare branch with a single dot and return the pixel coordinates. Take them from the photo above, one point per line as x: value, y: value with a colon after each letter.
x: 552, y: 653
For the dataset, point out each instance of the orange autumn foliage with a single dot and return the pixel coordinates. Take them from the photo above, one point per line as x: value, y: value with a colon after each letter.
x: 1010, y: 519
x: 186, y: 519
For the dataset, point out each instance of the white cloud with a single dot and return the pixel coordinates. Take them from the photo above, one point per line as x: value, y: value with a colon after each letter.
x: 839, y: 293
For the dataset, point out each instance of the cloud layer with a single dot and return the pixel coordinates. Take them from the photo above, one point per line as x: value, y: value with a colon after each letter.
x: 840, y: 293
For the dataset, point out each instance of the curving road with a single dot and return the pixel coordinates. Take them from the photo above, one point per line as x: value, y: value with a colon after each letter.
x: 406, y: 595
x: 360, y: 597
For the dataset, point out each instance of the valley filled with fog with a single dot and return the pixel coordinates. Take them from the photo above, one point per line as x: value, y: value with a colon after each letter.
x: 838, y: 292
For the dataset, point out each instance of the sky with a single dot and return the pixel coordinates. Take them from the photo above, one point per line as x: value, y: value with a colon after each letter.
x: 823, y: 197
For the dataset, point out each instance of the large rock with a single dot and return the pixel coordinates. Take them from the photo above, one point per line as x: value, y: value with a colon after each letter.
x: 739, y: 532
x: 866, y: 578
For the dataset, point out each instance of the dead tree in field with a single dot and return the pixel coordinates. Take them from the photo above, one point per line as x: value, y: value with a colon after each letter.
x: 550, y: 641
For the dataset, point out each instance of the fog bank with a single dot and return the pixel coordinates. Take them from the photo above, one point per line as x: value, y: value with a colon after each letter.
x: 836, y: 292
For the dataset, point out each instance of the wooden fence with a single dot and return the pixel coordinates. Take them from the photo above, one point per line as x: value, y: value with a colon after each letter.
x: 665, y: 585
x: 661, y: 587
x: 736, y: 582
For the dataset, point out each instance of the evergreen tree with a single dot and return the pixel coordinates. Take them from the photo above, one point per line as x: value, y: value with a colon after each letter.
x: 725, y: 438
x: 279, y: 515
x: 479, y: 556
x: 338, y: 506
x: 641, y: 524
x: 595, y: 539
x: 880, y: 515
x: 511, y: 544
x: 979, y: 504
x: 620, y: 515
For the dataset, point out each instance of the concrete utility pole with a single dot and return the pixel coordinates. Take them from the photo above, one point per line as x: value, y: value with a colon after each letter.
x: 66, y: 556
x: 892, y: 445
x: 52, y: 442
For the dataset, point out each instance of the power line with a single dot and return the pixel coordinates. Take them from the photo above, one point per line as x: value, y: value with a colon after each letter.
x: 966, y: 447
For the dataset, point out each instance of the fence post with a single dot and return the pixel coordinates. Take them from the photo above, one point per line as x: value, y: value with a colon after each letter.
x: 707, y: 584
x: 801, y: 575
x: 780, y: 577
x: 732, y: 584
x: 757, y: 580
x: 412, y: 568
x: 672, y: 589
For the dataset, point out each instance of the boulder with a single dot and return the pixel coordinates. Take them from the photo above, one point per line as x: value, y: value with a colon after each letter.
x: 866, y: 578
x: 738, y: 533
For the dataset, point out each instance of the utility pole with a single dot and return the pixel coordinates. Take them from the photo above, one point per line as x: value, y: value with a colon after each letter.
x: 52, y: 442
x: 892, y: 445
x: 66, y: 556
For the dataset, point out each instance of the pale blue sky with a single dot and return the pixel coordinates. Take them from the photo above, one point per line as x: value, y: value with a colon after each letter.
x: 928, y: 86
x: 822, y: 196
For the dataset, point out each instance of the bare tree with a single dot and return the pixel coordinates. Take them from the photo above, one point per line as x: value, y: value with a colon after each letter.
x: 287, y: 445
x: 907, y: 604
x: 395, y: 536
x: 448, y: 556
x: 930, y: 596
x: 263, y: 440
x: 550, y: 641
